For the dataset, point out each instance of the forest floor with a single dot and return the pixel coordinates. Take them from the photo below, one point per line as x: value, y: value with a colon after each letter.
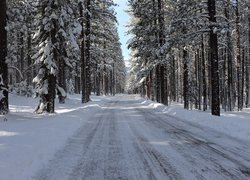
x: 122, y: 137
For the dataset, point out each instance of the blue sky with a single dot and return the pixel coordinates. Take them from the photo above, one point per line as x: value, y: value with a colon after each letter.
x: 123, y: 19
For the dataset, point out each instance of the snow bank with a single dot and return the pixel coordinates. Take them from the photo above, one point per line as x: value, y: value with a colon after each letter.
x: 28, y: 140
x: 235, y: 124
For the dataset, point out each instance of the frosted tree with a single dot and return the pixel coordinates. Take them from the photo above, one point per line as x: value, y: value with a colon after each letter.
x: 20, y: 19
x: 105, y: 53
x: 57, y: 46
x: 47, y: 55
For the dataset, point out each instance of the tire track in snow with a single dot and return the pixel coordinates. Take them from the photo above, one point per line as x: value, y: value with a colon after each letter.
x: 156, y: 161
x: 115, y: 166
x: 197, y: 150
x: 104, y: 160
x: 76, y: 147
x: 155, y: 165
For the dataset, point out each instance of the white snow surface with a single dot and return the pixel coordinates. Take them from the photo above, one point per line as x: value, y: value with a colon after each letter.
x: 28, y: 142
x: 234, y: 123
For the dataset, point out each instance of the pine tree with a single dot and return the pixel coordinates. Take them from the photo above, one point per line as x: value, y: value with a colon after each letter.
x: 47, y: 55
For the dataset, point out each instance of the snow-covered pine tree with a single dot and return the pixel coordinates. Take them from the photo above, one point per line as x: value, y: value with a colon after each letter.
x: 47, y: 55
x: 144, y: 28
x: 67, y: 44
x: 57, y: 46
x: 105, y: 53
x: 19, y: 46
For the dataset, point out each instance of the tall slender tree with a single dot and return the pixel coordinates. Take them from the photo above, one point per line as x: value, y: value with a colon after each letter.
x: 4, y: 108
x: 213, y: 45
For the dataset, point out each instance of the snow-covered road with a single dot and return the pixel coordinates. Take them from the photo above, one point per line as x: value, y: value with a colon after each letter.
x: 127, y: 140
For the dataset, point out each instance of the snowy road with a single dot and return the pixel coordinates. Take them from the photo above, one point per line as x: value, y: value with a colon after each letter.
x: 127, y: 140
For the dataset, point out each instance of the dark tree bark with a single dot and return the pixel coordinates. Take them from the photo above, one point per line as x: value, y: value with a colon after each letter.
x: 113, y: 79
x: 247, y: 66
x: 50, y: 97
x: 204, y: 82
x: 238, y: 59
x: 158, y: 84
x: 29, y: 61
x: 173, y: 80
x: 61, y: 80
x: 4, y: 106
x: 185, y: 79
x: 230, y: 98
x: 98, y: 81
x: 83, y: 64
x: 88, y: 57
x: 163, y: 76
x: 199, y: 79
x: 213, y: 44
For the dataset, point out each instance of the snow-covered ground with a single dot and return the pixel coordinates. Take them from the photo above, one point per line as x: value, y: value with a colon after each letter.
x: 28, y: 140
x: 235, y: 124
x: 122, y: 137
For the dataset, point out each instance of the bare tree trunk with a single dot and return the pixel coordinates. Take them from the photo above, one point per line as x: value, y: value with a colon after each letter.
x: 213, y: 44
x: 185, y: 79
x: 173, y: 80
x: 4, y: 106
x: 83, y: 64
x: 199, y: 79
x: 229, y: 66
x: 50, y: 97
x: 158, y: 85
x: 247, y: 66
x: 88, y: 57
x: 238, y: 59
x: 163, y: 73
x: 29, y: 61
x: 61, y: 80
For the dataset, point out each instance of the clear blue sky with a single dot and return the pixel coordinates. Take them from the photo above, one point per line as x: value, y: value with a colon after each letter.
x: 123, y: 19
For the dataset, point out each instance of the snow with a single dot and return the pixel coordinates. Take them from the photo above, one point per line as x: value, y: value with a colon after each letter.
x: 29, y: 141
x: 235, y: 124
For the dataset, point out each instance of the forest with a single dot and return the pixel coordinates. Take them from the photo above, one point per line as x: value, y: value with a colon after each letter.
x: 53, y: 47
x: 191, y: 51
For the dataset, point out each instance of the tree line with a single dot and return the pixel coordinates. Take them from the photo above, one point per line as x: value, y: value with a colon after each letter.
x: 52, y: 48
x: 191, y: 51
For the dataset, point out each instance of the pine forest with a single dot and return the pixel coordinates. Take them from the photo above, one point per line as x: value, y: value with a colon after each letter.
x: 55, y: 47
x: 195, y: 52
x: 189, y: 51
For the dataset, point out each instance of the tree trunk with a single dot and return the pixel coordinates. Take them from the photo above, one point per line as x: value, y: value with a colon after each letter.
x: 247, y: 66
x: 213, y: 44
x: 173, y: 80
x: 83, y: 64
x: 199, y: 79
x: 238, y: 59
x: 204, y: 82
x: 61, y: 80
x: 4, y: 106
x: 230, y: 98
x: 158, y: 84
x: 113, y: 79
x: 88, y: 57
x: 50, y: 97
x: 185, y: 79
x: 29, y: 60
